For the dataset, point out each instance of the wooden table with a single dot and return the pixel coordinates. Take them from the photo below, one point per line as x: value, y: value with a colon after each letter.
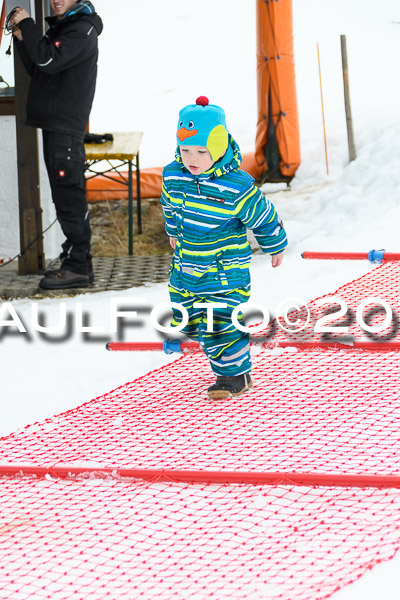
x: 123, y: 150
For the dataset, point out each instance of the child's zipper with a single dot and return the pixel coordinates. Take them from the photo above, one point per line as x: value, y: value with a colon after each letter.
x: 207, y: 197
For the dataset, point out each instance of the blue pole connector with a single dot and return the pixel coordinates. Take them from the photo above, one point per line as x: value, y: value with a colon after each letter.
x: 376, y: 256
x: 171, y: 346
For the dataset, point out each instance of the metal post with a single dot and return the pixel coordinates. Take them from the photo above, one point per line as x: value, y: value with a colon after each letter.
x: 138, y: 197
x: 346, y: 87
x: 47, y: 9
x: 130, y: 208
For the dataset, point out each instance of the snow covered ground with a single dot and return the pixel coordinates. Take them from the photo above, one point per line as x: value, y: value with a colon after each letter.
x: 158, y: 56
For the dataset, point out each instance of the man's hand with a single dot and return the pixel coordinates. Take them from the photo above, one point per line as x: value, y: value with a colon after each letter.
x: 19, y: 15
x: 276, y: 259
x: 172, y: 241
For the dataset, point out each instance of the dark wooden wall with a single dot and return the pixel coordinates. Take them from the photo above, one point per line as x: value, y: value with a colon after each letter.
x: 32, y: 258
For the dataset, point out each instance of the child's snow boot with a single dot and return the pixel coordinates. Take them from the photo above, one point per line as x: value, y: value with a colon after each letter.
x: 226, y: 387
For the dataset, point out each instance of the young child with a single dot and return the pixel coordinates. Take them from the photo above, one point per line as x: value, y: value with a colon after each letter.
x: 208, y: 202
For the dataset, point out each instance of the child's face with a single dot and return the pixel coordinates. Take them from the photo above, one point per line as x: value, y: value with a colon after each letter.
x: 196, y: 159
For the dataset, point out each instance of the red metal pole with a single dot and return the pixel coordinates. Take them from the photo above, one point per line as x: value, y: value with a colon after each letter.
x: 191, y: 347
x: 355, y: 345
x: 204, y: 477
x: 336, y: 255
x: 387, y: 256
x: 186, y: 347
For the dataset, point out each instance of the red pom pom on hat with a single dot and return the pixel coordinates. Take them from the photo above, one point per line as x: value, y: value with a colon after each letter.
x: 202, y: 101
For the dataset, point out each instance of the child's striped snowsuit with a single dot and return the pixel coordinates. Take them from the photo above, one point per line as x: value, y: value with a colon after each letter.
x: 208, y: 215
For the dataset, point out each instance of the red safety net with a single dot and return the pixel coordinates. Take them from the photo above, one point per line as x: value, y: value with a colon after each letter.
x: 161, y: 529
x: 381, y: 283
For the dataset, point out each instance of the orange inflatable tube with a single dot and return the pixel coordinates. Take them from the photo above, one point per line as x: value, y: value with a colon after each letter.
x: 278, y: 135
x: 2, y: 19
x: 277, y: 152
x: 101, y: 188
x: 111, y: 188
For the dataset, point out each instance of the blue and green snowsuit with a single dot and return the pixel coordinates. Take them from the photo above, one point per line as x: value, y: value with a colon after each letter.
x: 208, y: 215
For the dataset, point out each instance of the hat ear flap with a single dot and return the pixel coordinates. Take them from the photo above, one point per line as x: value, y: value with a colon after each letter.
x: 217, y: 142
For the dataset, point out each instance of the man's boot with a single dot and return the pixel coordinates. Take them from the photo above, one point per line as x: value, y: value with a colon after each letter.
x: 61, y: 279
x: 52, y: 272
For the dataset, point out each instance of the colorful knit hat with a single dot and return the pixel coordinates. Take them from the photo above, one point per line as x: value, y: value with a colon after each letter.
x: 203, y: 124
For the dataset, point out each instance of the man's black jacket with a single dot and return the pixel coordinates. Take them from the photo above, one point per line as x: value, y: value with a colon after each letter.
x: 63, y: 67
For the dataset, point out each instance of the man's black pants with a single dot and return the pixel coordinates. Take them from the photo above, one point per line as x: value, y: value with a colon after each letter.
x: 64, y: 156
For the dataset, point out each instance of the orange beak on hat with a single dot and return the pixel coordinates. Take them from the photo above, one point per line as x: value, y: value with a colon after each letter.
x: 184, y: 133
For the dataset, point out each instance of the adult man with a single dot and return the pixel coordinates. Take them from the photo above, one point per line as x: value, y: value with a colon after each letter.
x: 63, y: 69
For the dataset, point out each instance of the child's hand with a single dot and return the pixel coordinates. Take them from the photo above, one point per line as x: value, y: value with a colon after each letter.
x: 172, y: 241
x: 276, y: 259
